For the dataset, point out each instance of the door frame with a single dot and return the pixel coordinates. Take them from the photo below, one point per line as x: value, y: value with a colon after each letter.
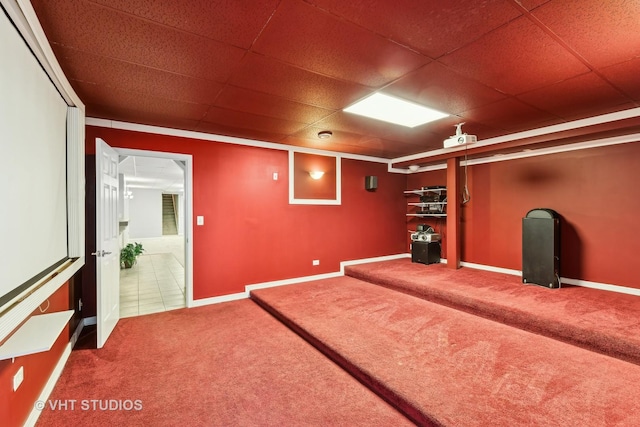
x: 188, y: 208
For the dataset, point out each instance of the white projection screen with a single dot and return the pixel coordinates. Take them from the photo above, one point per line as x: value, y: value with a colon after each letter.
x: 33, y: 208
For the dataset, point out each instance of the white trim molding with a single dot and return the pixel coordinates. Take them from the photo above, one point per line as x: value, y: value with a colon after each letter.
x: 423, y: 156
x: 546, y: 130
x: 113, y: 124
x: 75, y: 182
x: 217, y: 300
x: 601, y: 286
x: 344, y: 264
x: 563, y: 280
x: 294, y: 201
x: 491, y: 268
x: 284, y: 282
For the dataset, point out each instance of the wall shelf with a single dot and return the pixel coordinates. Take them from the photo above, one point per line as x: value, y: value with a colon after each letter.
x: 36, y: 335
x: 433, y: 202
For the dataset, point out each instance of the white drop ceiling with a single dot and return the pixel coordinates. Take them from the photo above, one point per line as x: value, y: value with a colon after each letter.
x: 152, y: 173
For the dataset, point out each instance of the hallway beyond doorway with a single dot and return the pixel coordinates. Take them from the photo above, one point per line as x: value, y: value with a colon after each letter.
x: 157, y: 282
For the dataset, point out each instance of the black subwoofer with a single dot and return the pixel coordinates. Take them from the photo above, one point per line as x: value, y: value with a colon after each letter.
x: 541, y: 248
x: 425, y: 252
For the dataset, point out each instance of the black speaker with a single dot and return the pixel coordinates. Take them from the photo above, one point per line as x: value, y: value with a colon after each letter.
x: 370, y: 183
x: 541, y: 248
x: 425, y: 252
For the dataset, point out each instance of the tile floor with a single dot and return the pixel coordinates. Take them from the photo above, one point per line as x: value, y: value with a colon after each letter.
x: 154, y: 284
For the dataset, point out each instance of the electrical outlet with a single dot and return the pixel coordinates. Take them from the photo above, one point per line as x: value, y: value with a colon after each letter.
x: 275, y: 176
x: 316, y: 262
x: 17, y: 378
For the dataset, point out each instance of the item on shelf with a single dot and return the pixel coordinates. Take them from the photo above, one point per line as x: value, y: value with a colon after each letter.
x: 425, y: 233
x: 432, y: 201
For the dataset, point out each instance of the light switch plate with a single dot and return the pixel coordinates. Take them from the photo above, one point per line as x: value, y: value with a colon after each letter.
x: 200, y: 220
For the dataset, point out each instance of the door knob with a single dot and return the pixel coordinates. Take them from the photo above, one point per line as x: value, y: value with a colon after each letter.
x: 100, y: 254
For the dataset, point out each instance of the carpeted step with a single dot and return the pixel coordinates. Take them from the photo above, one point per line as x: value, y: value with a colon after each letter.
x: 228, y: 364
x: 442, y: 366
x: 602, y: 321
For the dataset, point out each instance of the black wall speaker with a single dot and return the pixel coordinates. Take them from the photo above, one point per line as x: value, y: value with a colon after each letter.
x: 370, y: 183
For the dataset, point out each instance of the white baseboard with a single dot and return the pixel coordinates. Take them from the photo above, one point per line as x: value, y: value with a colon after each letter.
x: 601, y: 286
x: 275, y: 283
x: 218, y: 300
x: 344, y: 264
x: 563, y: 280
x: 284, y: 282
x: 491, y: 268
x: 88, y: 321
x: 55, y: 375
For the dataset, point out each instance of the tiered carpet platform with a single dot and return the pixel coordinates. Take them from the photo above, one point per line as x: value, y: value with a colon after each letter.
x: 471, y: 348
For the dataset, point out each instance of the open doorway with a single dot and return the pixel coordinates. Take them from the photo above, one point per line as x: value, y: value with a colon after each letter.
x: 160, y: 278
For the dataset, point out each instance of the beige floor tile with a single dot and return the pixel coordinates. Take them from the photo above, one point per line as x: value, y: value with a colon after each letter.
x: 128, y: 305
x: 156, y: 282
x: 129, y: 312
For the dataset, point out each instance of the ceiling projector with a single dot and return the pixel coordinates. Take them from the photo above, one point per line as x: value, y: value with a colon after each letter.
x: 459, y: 138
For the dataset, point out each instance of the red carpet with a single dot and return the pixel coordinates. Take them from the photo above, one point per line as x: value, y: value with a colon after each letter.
x: 607, y: 322
x: 231, y: 364
x: 447, y: 367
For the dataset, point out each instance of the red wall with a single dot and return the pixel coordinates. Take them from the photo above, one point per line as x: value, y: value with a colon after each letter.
x: 252, y: 234
x: 15, y: 407
x: 596, y: 192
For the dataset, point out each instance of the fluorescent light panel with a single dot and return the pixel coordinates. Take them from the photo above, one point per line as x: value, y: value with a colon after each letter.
x: 394, y: 110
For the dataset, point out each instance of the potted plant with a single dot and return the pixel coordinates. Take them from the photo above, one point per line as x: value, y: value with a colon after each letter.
x: 129, y: 253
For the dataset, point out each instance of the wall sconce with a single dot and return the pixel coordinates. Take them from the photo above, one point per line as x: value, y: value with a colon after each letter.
x: 316, y: 174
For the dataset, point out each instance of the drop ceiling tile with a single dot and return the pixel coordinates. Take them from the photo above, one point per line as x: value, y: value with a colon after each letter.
x: 239, y: 119
x: 110, y: 112
x: 305, y: 36
x: 100, y: 70
x: 121, y: 100
x: 626, y: 77
x: 271, y: 76
x: 231, y: 21
x: 433, y: 27
x: 579, y: 97
x: 250, y: 101
x: 532, y: 4
x: 342, y: 121
x: 509, y: 114
x: 252, y: 134
x: 439, y: 87
x: 349, y: 143
x: 602, y: 32
x: 516, y: 58
x: 106, y: 32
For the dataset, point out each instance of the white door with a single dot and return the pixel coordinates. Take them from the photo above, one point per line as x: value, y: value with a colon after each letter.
x: 107, y: 246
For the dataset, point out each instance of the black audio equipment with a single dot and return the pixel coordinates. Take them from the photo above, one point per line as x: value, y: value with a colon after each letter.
x: 541, y: 248
x: 370, y: 183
